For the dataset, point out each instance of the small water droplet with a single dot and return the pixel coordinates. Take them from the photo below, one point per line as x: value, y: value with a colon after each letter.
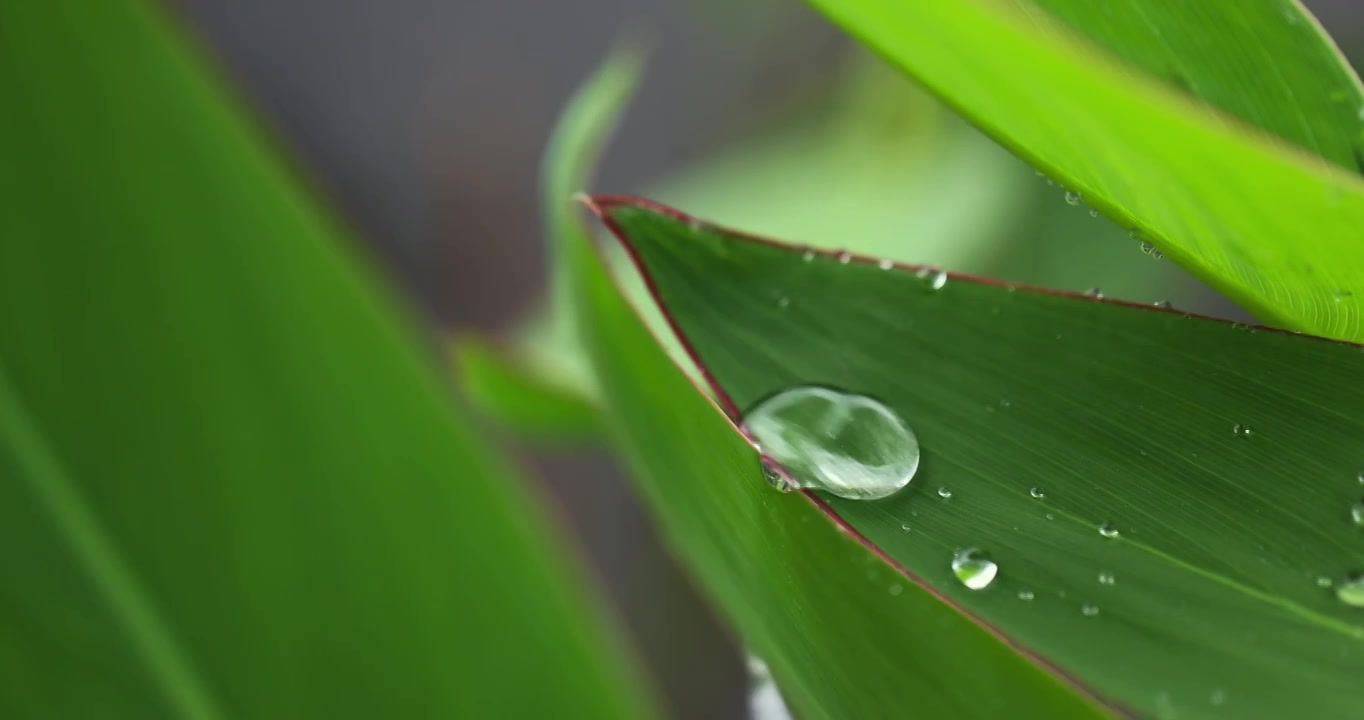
x: 973, y: 568
x: 844, y: 257
x: 1108, y: 530
x: 944, y: 493
x: 904, y: 527
x: 1360, y: 113
x: 1089, y: 609
x: 886, y: 264
x: 1072, y: 197
x: 1157, y: 255
x: 1146, y: 248
x: 1037, y: 493
x: 1324, y: 582
x: 1049, y: 516
x: 896, y: 589
x: 1241, y: 430
x: 1360, y: 477
x: 1025, y: 595
x: 1357, y: 513
x: 1095, y: 293
x: 1093, y: 213
x: 1107, y: 578
x: 1163, y: 304
x: 808, y: 255
x: 783, y: 302
x: 845, y: 444
x: 776, y: 478
x: 1218, y: 697
x: 934, y: 277
x: 1351, y: 590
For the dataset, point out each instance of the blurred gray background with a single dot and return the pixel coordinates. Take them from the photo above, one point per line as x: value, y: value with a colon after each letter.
x: 424, y: 121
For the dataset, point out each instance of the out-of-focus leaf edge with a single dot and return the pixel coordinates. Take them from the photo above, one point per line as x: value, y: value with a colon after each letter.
x: 535, y: 384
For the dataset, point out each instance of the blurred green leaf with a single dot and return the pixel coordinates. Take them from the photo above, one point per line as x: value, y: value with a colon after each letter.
x: 1224, y: 458
x: 845, y: 636
x: 523, y: 400
x: 543, y: 371
x: 1270, y: 226
x: 231, y: 485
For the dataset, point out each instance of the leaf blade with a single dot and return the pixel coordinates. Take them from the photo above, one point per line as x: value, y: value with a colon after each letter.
x: 1267, y: 225
x: 1117, y: 413
x: 246, y: 415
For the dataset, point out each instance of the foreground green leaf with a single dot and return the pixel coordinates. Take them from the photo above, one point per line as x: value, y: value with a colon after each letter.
x: 845, y: 636
x: 1267, y: 63
x: 1272, y: 227
x: 1225, y: 460
x: 229, y: 485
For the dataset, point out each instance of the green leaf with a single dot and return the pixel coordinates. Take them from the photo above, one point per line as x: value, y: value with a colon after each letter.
x: 520, y: 398
x: 845, y: 635
x: 1267, y: 63
x: 1272, y: 227
x: 230, y: 485
x: 1119, y: 414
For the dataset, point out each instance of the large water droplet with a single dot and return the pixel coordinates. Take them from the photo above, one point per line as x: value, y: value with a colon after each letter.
x: 849, y: 445
x: 1108, y: 530
x: 1351, y: 590
x: 973, y: 568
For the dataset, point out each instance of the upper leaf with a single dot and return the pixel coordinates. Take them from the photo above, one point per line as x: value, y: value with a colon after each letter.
x: 1273, y: 227
x: 1223, y: 459
x: 230, y: 486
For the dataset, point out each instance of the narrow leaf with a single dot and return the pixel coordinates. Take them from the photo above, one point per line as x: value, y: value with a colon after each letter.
x: 230, y: 485
x: 844, y: 634
x: 1172, y: 503
x: 1271, y: 226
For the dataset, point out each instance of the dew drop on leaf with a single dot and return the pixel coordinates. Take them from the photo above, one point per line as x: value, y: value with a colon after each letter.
x: 1037, y: 493
x: 944, y: 493
x: 1093, y: 213
x: 933, y: 277
x: 1357, y: 513
x: 1351, y: 590
x: 1323, y: 581
x: 1107, y: 578
x: 849, y: 445
x: 1108, y: 530
x: 808, y: 255
x: 886, y: 264
x: 1072, y: 197
x: 1025, y: 595
x: 1089, y: 609
x: 1241, y: 430
x: 1095, y: 293
x: 973, y: 568
x: 844, y: 257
